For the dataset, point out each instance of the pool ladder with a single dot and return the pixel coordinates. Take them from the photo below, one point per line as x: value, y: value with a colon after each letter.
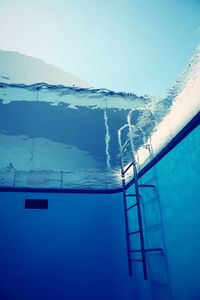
x: 137, y: 204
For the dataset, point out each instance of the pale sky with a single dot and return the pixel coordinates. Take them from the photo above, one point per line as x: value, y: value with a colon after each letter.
x: 125, y: 45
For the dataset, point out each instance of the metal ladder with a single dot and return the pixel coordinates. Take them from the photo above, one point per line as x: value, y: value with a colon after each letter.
x: 137, y: 204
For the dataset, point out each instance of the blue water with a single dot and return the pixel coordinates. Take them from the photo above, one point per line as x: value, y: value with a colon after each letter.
x: 77, y: 249
x: 56, y: 136
x: 66, y: 137
x: 65, y: 130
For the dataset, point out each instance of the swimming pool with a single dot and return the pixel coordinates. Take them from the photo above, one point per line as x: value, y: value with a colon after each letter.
x: 63, y: 234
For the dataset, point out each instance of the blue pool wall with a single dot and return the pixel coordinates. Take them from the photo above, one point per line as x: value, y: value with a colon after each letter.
x: 171, y: 216
x: 77, y: 249
x: 74, y: 250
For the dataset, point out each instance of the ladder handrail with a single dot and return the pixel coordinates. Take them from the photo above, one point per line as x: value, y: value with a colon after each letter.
x: 122, y: 146
x: 137, y: 196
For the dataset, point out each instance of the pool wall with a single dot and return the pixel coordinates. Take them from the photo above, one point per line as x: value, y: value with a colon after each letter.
x: 171, y: 221
x: 74, y: 250
x: 77, y: 249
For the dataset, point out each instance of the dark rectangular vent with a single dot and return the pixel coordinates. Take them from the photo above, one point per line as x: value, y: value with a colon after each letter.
x: 36, y: 203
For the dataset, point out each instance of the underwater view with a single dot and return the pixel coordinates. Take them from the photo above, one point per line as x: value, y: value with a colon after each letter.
x: 54, y: 136
x: 100, y: 150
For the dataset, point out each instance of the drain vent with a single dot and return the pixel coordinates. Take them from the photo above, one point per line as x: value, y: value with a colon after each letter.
x: 36, y: 203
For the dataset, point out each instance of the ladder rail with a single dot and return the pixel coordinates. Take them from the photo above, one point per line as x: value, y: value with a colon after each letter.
x: 137, y: 195
x: 128, y: 245
x: 139, y: 213
x: 144, y: 262
x: 137, y: 203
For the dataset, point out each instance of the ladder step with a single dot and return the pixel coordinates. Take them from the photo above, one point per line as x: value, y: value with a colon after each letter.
x: 129, y: 166
x: 133, y: 195
x: 147, y: 250
x: 138, y: 260
x: 131, y: 206
x: 134, y: 232
x: 147, y: 186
